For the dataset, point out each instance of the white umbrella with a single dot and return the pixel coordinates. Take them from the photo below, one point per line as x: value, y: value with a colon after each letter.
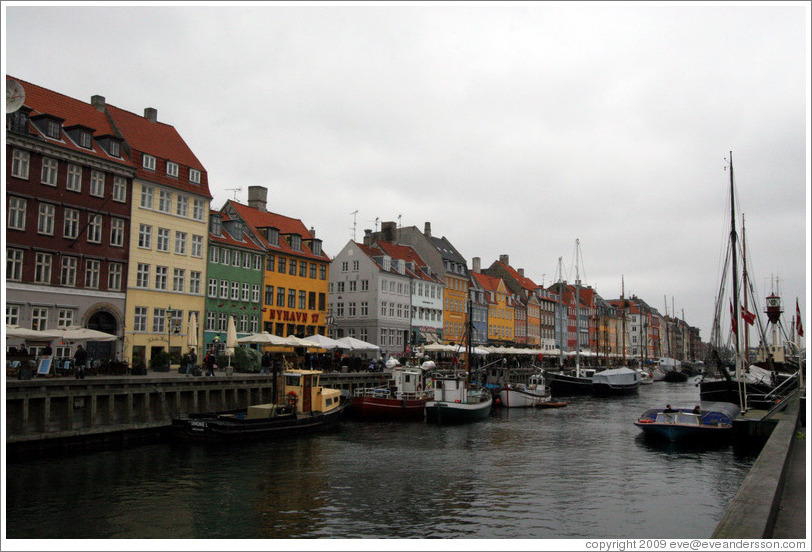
x: 324, y: 342
x: 231, y: 338
x: 191, y: 339
x: 263, y: 338
x: 294, y: 341
x: 12, y: 330
x: 356, y: 344
x: 79, y: 333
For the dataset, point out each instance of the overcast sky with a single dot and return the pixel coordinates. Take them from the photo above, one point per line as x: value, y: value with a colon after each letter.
x: 513, y: 128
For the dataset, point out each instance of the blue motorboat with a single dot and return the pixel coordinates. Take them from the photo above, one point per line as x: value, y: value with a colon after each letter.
x: 690, y: 424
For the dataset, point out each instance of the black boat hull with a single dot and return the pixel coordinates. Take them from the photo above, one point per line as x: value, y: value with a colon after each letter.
x: 567, y: 385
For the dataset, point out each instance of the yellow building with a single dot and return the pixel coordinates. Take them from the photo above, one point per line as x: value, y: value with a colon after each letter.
x: 500, y: 309
x: 297, y: 271
x: 168, y: 239
x: 455, y: 299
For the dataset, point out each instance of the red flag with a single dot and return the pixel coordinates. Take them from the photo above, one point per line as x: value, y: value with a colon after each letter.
x: 748, y: 316
x: 733, y: 320
x: 799, y: 327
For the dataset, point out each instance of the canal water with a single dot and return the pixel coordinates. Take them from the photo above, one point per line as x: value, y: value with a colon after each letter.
x: 583, y: 471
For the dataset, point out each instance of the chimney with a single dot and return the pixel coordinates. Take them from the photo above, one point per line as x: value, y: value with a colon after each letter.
x: 476, y: 263
x: 312, y: 232
x: 427, y: 229
x: 388, y: 231
x: 521, y: 272
x: 504, y: 259
x: 257, y: 198
x: 98, y: 103
x: 151, y: 114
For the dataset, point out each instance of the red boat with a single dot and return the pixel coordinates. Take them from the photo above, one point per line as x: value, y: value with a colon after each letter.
x: 402, y: 399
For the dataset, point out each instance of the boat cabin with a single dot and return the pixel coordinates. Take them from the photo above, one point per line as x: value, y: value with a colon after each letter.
x: 452, y: 388
x: 302, y: 389
x: 406, y: 382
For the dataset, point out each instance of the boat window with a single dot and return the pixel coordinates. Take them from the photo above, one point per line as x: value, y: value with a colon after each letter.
x: 328, y: 402
x: 292, y: 381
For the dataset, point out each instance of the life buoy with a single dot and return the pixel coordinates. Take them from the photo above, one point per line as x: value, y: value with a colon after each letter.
x: 645, y: 421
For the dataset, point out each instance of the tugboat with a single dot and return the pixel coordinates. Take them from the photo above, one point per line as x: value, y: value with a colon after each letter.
x: 307, y: 407
x: 402, y: 399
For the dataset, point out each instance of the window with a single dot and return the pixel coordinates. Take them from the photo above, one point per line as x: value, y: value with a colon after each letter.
x: 115, y: 148
x: 182, y: 207
x: 162, y: 239
x: 302, y: 269
x: 68, y: 276
x: 140, y: 321
x: 20, y: 163
x: 197, y: 246
x: 216, y: 226
x: 158, y: 320
x: 270, y: 263
x: 14, y: 264
x: 246, y: 292
x: 180, y: 243
x: 39, y: 318
x: 199, y: 210
x: 292, y: 270
x: 340, y: 310
x: 142, y: 276
x: 178, y: 278
x: 235, y: 257
x: 356, y: 265
x: 13, y: 314
x: 223, y: 289
x: 97, y: 183
x: 92, y: 270
x: 269, y: 295
x: 322, y: 301
x: 45, y: 223
x: 148, y: 162
x: 235, y: 291
x: 212, y: 287
x: 257, y: 262
x: 147, y: 193
x: 194, y: 176
x: 283, y: 265
x: 351, y: 311
x: 119, y: 189
x: 74, y: 182
x: 311, y: 300
x: 313, y: 270
x: 211, y: 321
x: 364, y: 308
x: 161, y: 277
x: 225, y: 256
x: 345, y: 266
x: 16, y: 213
x: 244, y: 323
x: 322, y: 272
x: 255, y: 293
x: 114, y: 273
x: 52, y: 129
x: 145, y: 236
x: 164, y: 201
x: 340, y: 287
x: 49, y: 171
x: 246, y: 260
x: 302, y: 299
x: 94, y: 229
x: 194, y: 281
x: 280, y: 297
x: 42, y: 268
x: 64, y: 318
x: 222, y: 321
x: 296, y: 242
x: 352, y: 285
x: 172, y: 169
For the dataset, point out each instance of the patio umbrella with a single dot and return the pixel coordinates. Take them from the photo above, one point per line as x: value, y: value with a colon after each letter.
x: 294, y: 341
x: 324, y: 342
x: 356, y: 344
x: 79, y: 333
x: 12, y: 330
x: 231, y: 338
x: 191, y: 339
x: 263, y: 338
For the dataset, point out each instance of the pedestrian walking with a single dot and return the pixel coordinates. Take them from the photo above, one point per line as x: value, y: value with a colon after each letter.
x: 210, y: 364
x: 80, y: 361
x: 191, y: 361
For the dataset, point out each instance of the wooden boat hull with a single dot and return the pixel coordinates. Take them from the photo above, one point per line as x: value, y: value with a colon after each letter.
x: 384, y: 408
x: 519, y: 398
x: 443, y: 412
x: 227, y: 426
x: 609, y: 390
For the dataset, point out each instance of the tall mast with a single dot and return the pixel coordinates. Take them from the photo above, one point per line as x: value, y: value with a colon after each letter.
x: 735, y: 310
x: 577, y: 314
x: 744, y: 287
x: 623, y: 316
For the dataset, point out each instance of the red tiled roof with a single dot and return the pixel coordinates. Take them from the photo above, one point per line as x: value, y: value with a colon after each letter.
x: 523, y: 281
x: 228, y: 239
x: 74, y: 112
x: 407, y: 254
x: 257, y: 219
x: 162, y: 141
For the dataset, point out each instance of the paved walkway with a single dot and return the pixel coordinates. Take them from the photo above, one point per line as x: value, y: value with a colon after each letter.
x: 790, y: 522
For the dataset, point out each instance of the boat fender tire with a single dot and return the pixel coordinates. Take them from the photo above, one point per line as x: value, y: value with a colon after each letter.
x: 645, y: 421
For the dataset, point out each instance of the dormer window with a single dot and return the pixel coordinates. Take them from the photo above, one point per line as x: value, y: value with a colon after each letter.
x: 52, y: 129
x: 84, y: 139
x: 194, y: 176
x: 148, y: 162
x: 315, y: 247
x: 216, y: 225
x: 171, y: 169
x: 110, y: 144
x: 296, y: 242
x: 114, y: 148
x: 272, y: 235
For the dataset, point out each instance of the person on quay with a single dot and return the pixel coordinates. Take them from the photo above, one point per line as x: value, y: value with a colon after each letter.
x: 192, y: 360
x: 80, y: 361
x: 209, y: 361
x: 266, y: 364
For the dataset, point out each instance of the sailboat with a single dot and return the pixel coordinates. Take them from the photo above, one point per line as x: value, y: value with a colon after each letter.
x: 617, y: 381
x: 453, y: 398
x: 739, y: 387
x: 579, y: 381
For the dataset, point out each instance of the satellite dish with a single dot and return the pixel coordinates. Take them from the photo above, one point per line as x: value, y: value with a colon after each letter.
x: 15, y: 96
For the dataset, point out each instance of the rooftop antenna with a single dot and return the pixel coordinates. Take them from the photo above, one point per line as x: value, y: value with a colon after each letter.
x: 399, y: 225
x: 354, y: 222
x: 235, y: 190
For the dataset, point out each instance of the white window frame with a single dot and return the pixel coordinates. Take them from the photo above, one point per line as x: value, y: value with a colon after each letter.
x: 142, y: 276
x: 162, y: 240
x: 194, y: 176
x: 17, y: 207
x: 164, y: 201
x: 20, y: 164
x: 43, y: 265
x: 67, y: 275
x: 178, y: 279
x: 45, y: 221
x: 148, y: 161
x: 212, y: 288
x: 120, y: 189
x: 140, y: 319
x: 195, y: 277
x: 182, y: 207
x: 172, y: 169
x: 74, y: 181
x: 92, y: 271
x: 94, y: 228
x: 14, y: 264
x: 145, y: 236
x: 115, y: 272
x: 161, y: 277
x: 117, y: 228
x: 50, y: 170
x: 180, y: 243
x: 147, y: 197
x: 96, y: 183
x: 197, y: 245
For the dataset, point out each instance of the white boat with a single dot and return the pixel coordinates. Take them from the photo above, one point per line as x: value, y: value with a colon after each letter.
x: 615, y: 381
x: 519, y: 395
x: 646, y: 376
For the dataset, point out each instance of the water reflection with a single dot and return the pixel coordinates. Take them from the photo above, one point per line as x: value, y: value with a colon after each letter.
x: 579, y: 471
